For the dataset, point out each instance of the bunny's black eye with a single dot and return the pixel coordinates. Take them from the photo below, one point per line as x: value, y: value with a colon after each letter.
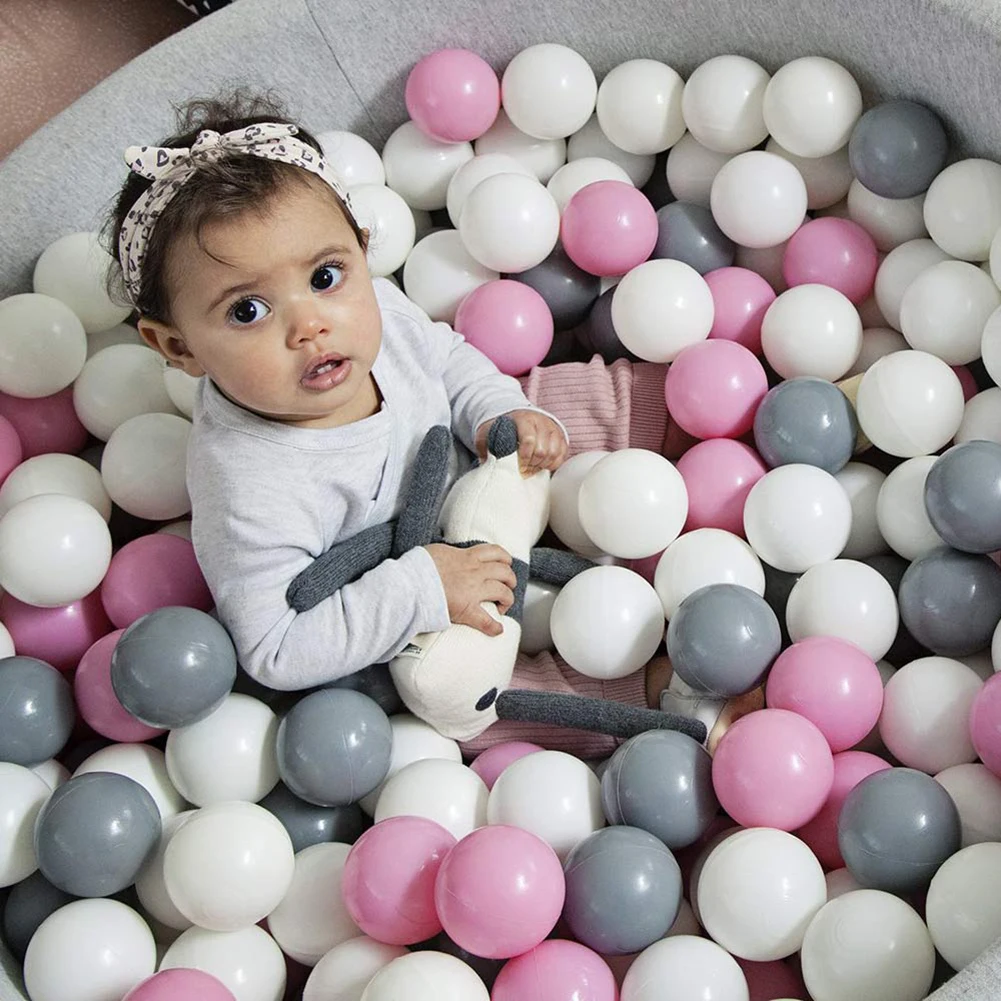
x: 486, y: 700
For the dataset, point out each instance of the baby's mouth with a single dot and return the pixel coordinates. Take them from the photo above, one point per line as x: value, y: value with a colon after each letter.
x: 325, y: 372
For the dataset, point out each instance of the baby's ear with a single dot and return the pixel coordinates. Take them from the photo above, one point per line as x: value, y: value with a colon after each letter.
x: 167, y: 341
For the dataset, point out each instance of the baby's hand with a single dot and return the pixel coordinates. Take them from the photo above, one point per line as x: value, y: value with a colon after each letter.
x: 541, y: 443
x: 473, y: 575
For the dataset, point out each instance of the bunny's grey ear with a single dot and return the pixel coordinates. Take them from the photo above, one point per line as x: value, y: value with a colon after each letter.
x: 502, y: 439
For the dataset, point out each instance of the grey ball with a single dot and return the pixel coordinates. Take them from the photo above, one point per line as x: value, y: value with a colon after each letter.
x: 28, y: 904
x: 36, y: 711
x: 623, y: 890
x: 950, y: 601
x: 806, y: 420
x: 308, y: 824
x: 963, y: 496
x: 173, y: 667
x: 569, y: 291
x: 661, y: 782
x: 600, y: 332
x: 897, y: 148
x: 376, y: 682
x: 722, y: 639
x: 334, y: 747
x: 896, y: 828
x: 94, y: 833
x: 688, y: 233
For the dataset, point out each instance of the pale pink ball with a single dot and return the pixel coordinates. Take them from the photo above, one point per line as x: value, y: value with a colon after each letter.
x: 11, y: 450
x: 741, y: 298
x: 985, y: 724
x: 490, y: 763
x: 556, y: 970
x: 180, y: 984
x: 713, y: 389
x: 608, y: 228
x: 453, y: 95
x: 966, y: 380
x: 718, y: 475
x: 835, y: 252
x: 46, y: 424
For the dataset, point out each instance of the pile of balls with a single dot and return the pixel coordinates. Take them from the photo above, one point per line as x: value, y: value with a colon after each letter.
x: 820, y: 537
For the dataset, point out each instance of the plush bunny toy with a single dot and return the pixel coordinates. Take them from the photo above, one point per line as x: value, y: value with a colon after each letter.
x: 458, y: 679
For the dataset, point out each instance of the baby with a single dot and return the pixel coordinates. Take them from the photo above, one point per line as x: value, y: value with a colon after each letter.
x: 241, y: 256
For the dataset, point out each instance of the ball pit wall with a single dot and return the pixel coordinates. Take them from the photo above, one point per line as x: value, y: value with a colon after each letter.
x: 342, y: 64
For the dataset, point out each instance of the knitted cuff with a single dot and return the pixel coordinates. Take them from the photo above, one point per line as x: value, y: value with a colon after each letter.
x: 630, y: 690
x: 648, y: 411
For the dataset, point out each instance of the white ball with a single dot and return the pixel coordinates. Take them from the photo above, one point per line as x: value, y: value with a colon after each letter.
x: 590, y: 140
x: 181, y: 528
x: 876, y: 342
x: 89, y: 950
x: 639, y: 106
x: 811, y: 330
x: 827, y: 178
x: 962, y: 208
x: 53, y: 773
x: 797, y: 516
x: 182, y: 390
x: 990, y: 346
x: 509, y: 223
x: 142, y: 763
x: 845, y: 599
x: 54, y: 550
x: 543, y: 157
x: 536, y: 634
x: 120, y: 333
x: 890, y: 222
x: 447, y: 792
x: 868, y: 943
x: 977, y: 795
x: 74, y: 269
x: 6, y: 642
x: 43, y: 346
x: 963, y: 908
x: 692, y: 168
x: 150, y: 885
x: 344, y: 972
x: 440, y: 273
x: 862, y: 483
x: 910, y: 403
x: 765, y: 261
x: 577, y: 174
x: 312, y: 918
x: 839, y: 882
x: 723, y: 103
x: 760, y: 871
x: 228, y: 866
x: 607, y: 622
x: 632, y: 503
x: 120, y: 382
x: 418, y: 168
x: 548, y: 91
x: 981, y: 418
x: 564, y: 493
x: 703, y: 557
x: 661, y: 307
x: 354, y: 159
x: 694, y: 967
x: 898, y: 269
x: 945, y: 309
x: 870, y: 313
x: 758, y: 199
x: 22, y: 795
x: 925, y: 722
x: 472, y: 172
x: 553, y: 795
x: 811, y: 106
x: 996, y: 647
x: 900, y: 509
x: 228, y: 755
x: 390, y: 224
x: 55, y: 473
x: 247, y: 961
x: 143, y: 466
x: 426, y: 976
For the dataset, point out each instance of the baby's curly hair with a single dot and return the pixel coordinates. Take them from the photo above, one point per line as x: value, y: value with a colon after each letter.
x: 222, y: 189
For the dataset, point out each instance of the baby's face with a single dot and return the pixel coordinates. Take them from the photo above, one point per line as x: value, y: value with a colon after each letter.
x: 278, y: 309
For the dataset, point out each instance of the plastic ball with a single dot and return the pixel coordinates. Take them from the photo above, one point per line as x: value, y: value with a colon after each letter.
x: 591, y: 141
x: 24, y: 794
x: 598, y: 334
x: 985, y: 724
x: 900, y: 509
x: 27, y: 904
x: 718, y: 475
x: 440, y: 273
x: 976, y: 791
x: 543, y: 157
x: 981, y: 418
x: 773, y: 768
x: 691, y: 169
x: 452, y: 95
x: 425, y: 976
x: 899, y: 269
x: 834, y: 252
x: 418, y: 168
x: 49, y: 424
x: 688, y: 233
x: 142, y: 763
x: 876, y: 342
x: 961, y: 493
x: 722, y: 103
x: 896, y: 828
x: 639, y: 106
x: 344, y: 972
x: 150, y: 888
x: 43, y: 346
x: 556, y: 970
x: 308, y: 824
x: 174, y: 985
x: 889, y: 221
x: 490, y: 764
x: 469, y: 175
x: 575, y: 175
x: 548, y: 91
x: 962, y: 208
x: 827, y: 178
x: 353, y: 158
x: 740, y: 300
x: 54, y: 474
x: 390, y: 224
x: 36, y: 711
x: 11, y: 452
x: 862, y: 483
x: 564, y: 492
x: 566, y: 289
x: 695, y: 968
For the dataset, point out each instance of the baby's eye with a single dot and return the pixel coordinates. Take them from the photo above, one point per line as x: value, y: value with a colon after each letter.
x: 248, y: 311
x: 326, y: 277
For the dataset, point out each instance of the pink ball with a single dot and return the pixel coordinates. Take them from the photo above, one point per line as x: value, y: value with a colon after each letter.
x: 834, y: 252
x: 985, y: 724
x: 490, y: 763
x: 966, y: 380
x: 389, y: 878
x: 509, y: 322
x: 769, y: 981
x: 96, y: 699
x: 741, y: 298
x: 556, y: 970
x: 46, y: 424
x: 499, y: 891
x: 11, y: 450
x: 713, y: 389
x: 152, y: 572
x: 718, y: 475
x: 773, y: 768
x: 832, y: 683
x: 821, y: 833
x: 59, y: 636
x: 180, y: 984
x: 608, y: 227
x: 453, y: 95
